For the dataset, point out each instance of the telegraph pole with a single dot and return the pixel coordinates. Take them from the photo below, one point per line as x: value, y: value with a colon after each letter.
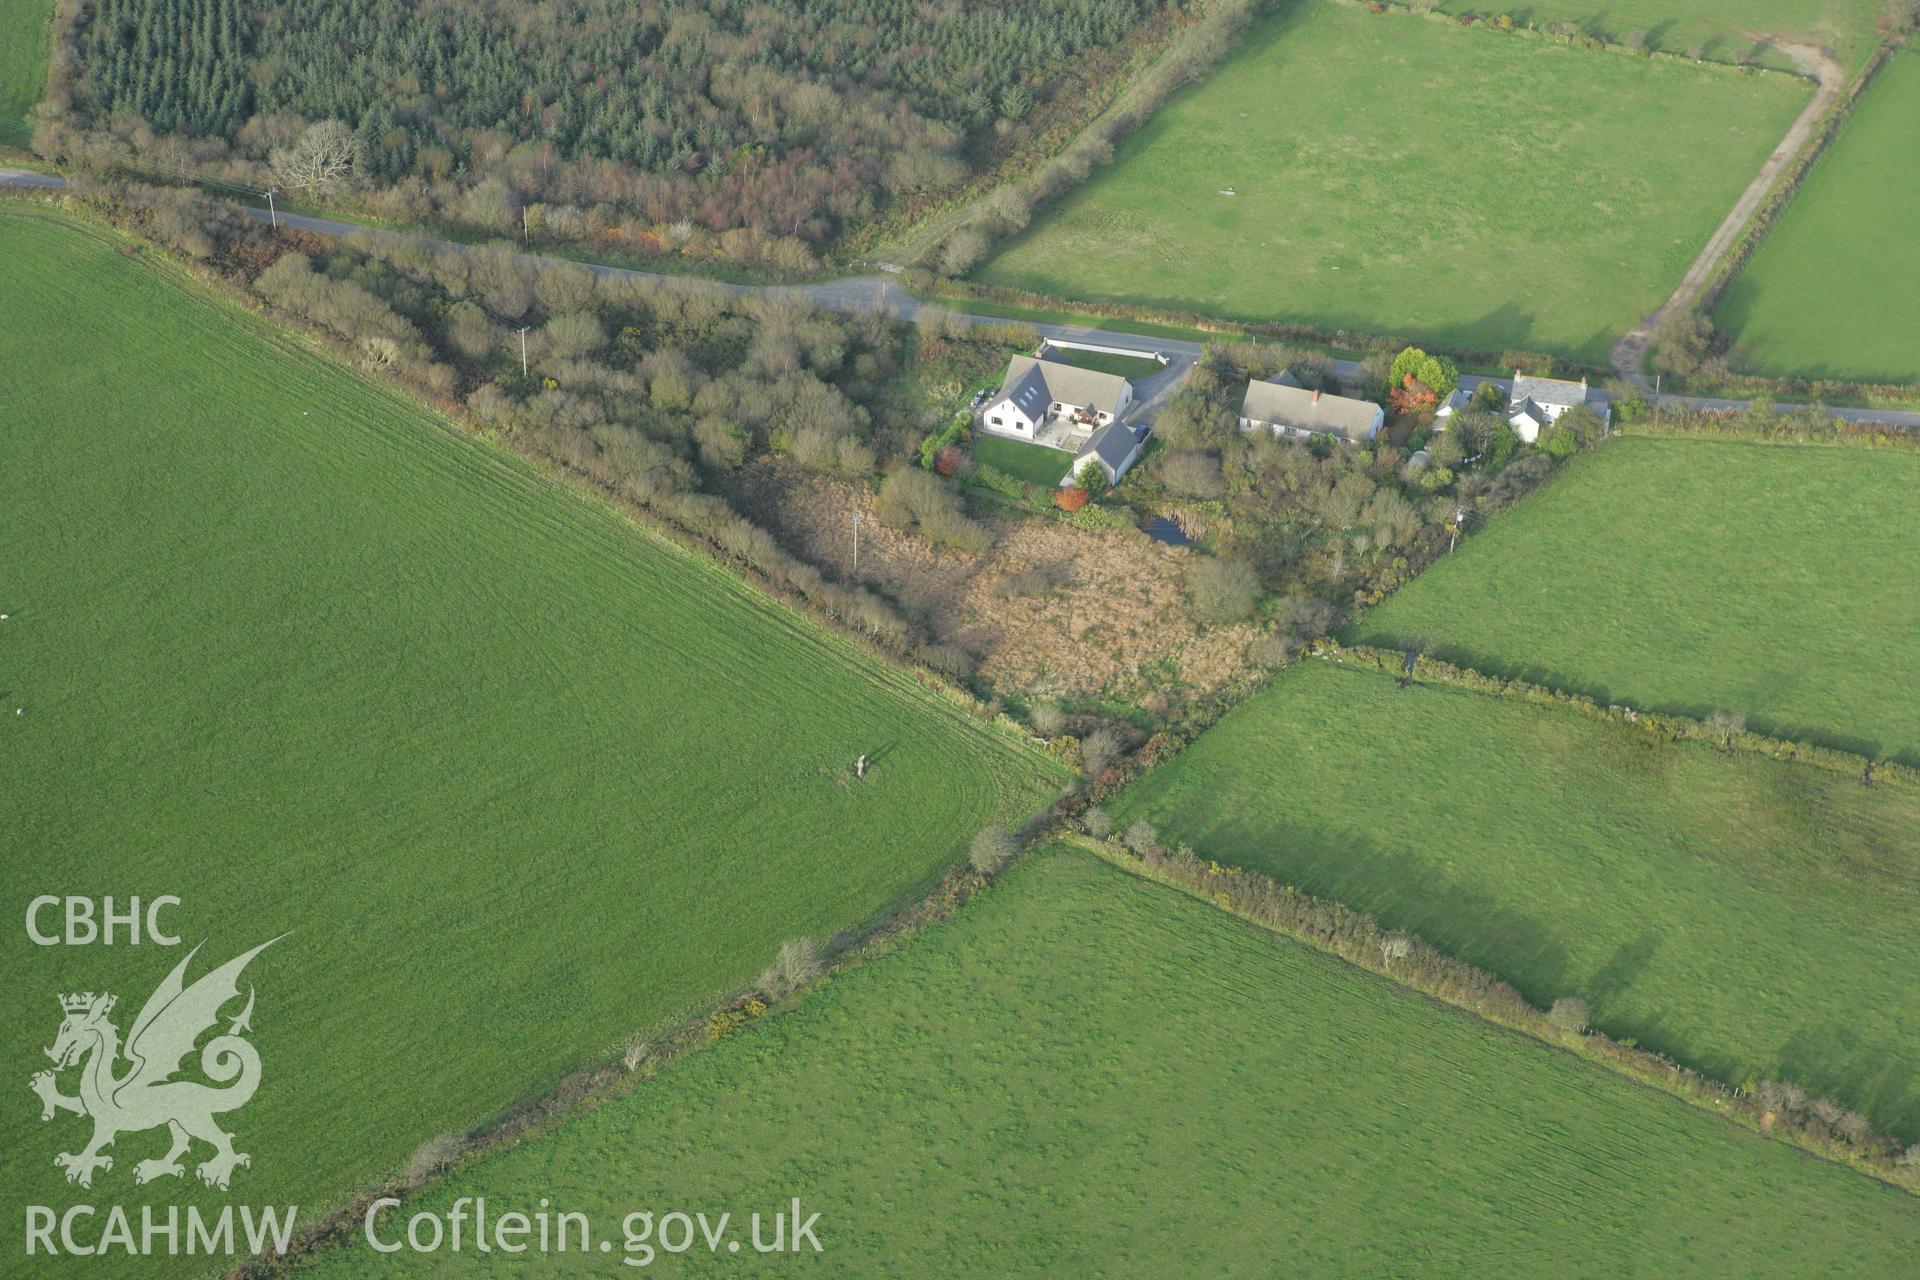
x: 1656, y: 402
x: 856, y: 543
x: 523, y: 351
x: 526, y: 237
x: 273, y: 214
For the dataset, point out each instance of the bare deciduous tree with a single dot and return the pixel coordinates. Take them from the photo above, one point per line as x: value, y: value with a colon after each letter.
x: 991, y: 849
x: 1141, y: 838
x: 1570, y: 1014
x: 1097, y: 823
x: 1222, y: 590
x: 1724, y: 724
x: 321, y: 159
x: 797, y: 964
x: 1395, y: 946
x: 431, y: 1157
x: 1097, y: 751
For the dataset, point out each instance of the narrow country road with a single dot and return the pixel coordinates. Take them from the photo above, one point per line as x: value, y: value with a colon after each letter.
x: 855, y: 294
x: 1629, y: 354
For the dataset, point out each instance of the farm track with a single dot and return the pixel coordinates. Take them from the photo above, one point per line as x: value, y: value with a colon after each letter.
x: 1629, y: 354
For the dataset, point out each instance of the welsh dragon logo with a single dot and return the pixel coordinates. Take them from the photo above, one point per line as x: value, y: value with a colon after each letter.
x: 144, y: 1094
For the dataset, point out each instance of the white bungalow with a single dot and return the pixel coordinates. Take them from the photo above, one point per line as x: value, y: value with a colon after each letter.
x: 1037, y: 392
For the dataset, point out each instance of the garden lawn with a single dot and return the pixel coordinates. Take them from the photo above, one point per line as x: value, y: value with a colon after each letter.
x: 1390, y: 173
x: 1103, y: 362
x: 1830, y: 292
x: 1715, y: 29
x: 1750, y: 917
x: 1034, y: 463
x: 23, y: 65
x: 517, y: 779
x: 1776, y: 582
x: 1041, y: 315
x: 1088, y: 1074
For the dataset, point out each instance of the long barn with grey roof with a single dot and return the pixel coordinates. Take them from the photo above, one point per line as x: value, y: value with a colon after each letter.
x: 1284, y: 407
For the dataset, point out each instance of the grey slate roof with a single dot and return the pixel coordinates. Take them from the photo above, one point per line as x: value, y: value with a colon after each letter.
x: 1034, y: 384
x: 1278, y: 405
x: 1113, y: 444
x: 1528, y: 407
x: 1544, y: 391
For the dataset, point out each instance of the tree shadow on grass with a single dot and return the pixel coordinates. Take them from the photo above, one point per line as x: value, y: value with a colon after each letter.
x: 1401, y: 891
x: 1859, y: 1067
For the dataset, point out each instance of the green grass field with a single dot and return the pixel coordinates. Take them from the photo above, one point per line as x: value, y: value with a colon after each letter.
x: 1777, y: 582
x: 1088, y: 1074
x: 1750, y: 917
x: 520, y: 779
x: 1102, y: 362
x: 1718, y: 30
x: 1034, y: 463
x: 1829, y: 293
x: 23, y: 64
x: 1395, y: 174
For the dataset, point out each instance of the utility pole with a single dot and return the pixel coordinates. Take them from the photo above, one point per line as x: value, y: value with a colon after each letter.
x: 857, y: 517
x: 273, y: 214
x: 1656, y: 402
x: 526, y: 237
x: 523, y: 351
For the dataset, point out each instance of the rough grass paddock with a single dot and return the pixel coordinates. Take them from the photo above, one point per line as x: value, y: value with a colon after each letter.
x: 1746, y: 916
x: 1088, y: 1074
x: 519, y: 779
x: 1831, y: 291
x: 1114, y: 629
x: 23, y: 65
x: 1777, y: 582
x: 1397, y: 174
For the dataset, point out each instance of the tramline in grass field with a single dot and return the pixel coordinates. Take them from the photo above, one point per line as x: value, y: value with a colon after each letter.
x: 1088, y: 1074
x: 517, y: 780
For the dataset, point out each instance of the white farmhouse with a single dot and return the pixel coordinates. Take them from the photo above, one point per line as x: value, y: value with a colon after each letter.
x: 1037, y: 392
x: 1538, y: 402
x: 1286, y: 408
